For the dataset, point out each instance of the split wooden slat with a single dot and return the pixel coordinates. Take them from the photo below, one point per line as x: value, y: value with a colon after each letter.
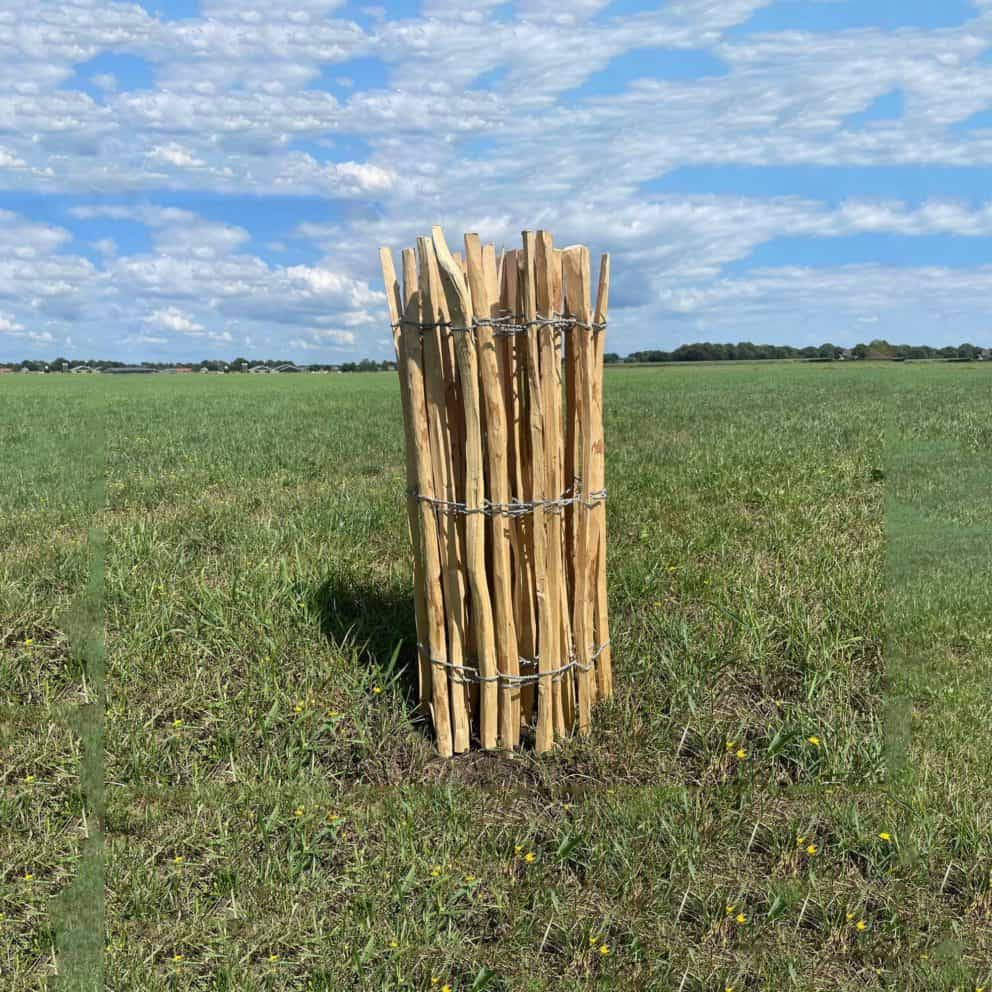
x: 508, y: 661
x: 394, y: 300
x: 604, y: 664
x: 461, y: 313
x: 550, y: 641
x: 577, y: 297
x: 442, y: 435
x: 544, y: 734
x: 434, y: 645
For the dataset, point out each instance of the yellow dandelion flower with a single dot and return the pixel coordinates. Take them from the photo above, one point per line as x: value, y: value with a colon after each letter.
x: 436, y: 871
x: 593, y: 940
x: 741, y: 754
x: 731, y: 745
x: 434, y: 979
x: 333, y: 713
x: 530, y: 857
x: 28, y: 876
x: 298, y: 708
x: 741, y: 918
x: 273, y: 957
x: 178, y: 859
x: 177, y: 722
x: 850, y: 916
x: 177, y: 957
x: 28, y: 641
x: 517, y: 848
x: 730, y: 909
x: 799, y: 840
x: 298, y: 811
x: 29, y: 779
x: 814, y: 740
x: 885, y: 836
x: 470, y: 878
x: 861, y: 925
x: 604, y: 949
x: 811, y: 849
x: 376, y: 689
x: 445, y: 988
x: 394, y: 944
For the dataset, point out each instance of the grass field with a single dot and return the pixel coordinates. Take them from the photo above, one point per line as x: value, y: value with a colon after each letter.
x: 790, y: 789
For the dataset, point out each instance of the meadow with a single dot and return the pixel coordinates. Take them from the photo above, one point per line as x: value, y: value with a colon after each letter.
x: 206, y: 627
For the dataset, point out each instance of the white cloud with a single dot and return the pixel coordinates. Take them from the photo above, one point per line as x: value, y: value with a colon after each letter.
x: 172, y: 319
x: 175, y: 154
x: 8, y: 325
x: 8, y: 160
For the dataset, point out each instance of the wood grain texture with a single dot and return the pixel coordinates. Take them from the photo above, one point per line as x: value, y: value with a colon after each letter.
x: 460, y: 307
x: 442, y: 438
x: 577, y: 297
x: 481, y: 281
x: 604, y: 664
x: 435, y: 642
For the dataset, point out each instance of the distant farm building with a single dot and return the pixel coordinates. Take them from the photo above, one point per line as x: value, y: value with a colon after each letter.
x: 131, y: 370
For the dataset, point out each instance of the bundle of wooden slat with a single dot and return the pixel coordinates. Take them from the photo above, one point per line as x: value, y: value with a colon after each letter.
x: 506, y: 482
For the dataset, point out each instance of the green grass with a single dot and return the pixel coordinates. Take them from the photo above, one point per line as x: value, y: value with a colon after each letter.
x: 796, y: 552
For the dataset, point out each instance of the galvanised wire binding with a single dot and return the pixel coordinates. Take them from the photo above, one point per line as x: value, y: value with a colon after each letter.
x: 515, y: 508
x: 507, y: 325
x: 469, y: 675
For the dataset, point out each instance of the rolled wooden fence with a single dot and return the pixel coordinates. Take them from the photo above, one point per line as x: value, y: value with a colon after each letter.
x: 501, y: 375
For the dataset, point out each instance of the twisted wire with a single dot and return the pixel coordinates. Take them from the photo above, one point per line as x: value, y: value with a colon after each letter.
x: 470, y: 675
x: 516, y: 507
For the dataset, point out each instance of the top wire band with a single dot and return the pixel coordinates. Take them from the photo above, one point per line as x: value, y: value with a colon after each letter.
x: 507, y: 325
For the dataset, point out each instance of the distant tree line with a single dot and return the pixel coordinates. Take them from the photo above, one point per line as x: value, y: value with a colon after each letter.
x: 701, y: 351
x: 239, y: 364
x: 745, y: 351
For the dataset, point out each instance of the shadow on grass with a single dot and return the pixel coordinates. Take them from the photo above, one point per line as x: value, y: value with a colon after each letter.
x: 377, y: 623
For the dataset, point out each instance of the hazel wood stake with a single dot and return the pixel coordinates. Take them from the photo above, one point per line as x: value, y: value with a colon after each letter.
x: 546, y: 631
x: 508, y: 660
x: 394, y: 300
x: 520, y: 529
x: 604, y: 664
x: 435, y: 644
x: 441, y: 457
x: 460, y: 306
x: 551, y: 395
x: 576, y: 267
x: 563, y: 485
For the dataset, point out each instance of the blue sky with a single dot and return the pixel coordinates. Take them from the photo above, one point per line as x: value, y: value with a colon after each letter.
x: 211, y: 178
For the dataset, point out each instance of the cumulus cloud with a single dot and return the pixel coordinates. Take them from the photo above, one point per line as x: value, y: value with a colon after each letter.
x: 173, y: 319
x: 175, y: 154
x: 8, y: 325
